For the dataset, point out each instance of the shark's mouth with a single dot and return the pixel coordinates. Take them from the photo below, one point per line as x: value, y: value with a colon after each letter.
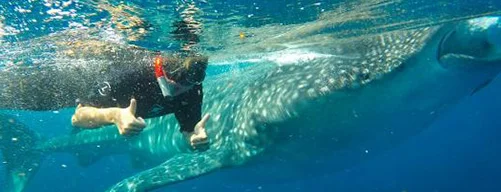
x: 478, y: 40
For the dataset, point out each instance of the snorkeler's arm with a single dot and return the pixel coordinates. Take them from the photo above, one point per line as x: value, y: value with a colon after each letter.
x: 190, y: 118
x: 92, y: 117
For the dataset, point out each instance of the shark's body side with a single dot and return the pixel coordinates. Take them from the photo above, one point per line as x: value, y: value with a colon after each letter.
x: 373, y: 85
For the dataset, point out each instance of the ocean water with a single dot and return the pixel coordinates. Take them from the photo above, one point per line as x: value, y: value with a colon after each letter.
x: 459, y: 151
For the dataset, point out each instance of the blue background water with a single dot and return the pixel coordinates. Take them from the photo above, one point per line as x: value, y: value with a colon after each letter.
x: 459, y: 152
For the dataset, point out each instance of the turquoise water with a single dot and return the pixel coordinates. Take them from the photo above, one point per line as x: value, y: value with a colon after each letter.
x: 457, y: 152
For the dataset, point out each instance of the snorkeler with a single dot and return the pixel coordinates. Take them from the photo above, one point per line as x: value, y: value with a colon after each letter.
x: 172, y: 85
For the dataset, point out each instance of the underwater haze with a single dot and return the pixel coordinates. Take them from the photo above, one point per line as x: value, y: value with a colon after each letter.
x: 306, y: 95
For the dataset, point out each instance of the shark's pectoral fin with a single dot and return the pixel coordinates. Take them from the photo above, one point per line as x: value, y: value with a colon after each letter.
x: 179, y: 168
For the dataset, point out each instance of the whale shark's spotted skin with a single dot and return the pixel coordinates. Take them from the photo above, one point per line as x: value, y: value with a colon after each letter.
x: 251, y: 109
x: 277, y: 95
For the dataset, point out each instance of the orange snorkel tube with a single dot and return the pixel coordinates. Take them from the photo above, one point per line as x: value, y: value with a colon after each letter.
x: 157, y: 64
x: 166, y: 88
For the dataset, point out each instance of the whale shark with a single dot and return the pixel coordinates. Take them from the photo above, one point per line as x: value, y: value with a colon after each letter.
x: 394, y: 83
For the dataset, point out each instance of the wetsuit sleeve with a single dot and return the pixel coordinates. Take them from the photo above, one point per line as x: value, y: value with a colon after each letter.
x: 121, y: 84
x: 190, y: 111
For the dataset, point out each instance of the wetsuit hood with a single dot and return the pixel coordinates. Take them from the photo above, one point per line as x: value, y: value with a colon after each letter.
x: 186, y: 70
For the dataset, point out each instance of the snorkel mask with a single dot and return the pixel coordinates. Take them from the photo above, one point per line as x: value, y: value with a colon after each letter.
x: 174, y: 73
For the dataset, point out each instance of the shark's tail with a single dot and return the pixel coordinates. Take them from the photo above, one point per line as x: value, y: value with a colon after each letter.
x: 20, y: 158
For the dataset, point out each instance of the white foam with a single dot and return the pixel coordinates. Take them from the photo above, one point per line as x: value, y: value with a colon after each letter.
x: 482, y: 23
x: 293, y: 56
x: 283, y: 57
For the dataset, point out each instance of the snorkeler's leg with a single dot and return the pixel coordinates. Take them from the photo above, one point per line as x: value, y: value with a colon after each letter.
x: 123, y: 118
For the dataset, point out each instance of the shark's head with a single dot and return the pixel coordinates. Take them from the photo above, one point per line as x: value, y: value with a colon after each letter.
x: 473, y: 43
x: 400, y: 80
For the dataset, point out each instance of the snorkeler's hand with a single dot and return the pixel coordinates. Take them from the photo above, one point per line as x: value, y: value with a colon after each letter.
x: 199, y: 136
x: 127, y: 122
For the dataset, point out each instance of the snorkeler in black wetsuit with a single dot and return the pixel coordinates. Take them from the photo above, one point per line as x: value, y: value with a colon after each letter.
x: 143, y: 87
x: 183, y: 75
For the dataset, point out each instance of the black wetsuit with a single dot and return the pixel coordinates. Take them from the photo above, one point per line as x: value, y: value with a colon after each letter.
x: 130, y: 74
x: 150, y: 101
